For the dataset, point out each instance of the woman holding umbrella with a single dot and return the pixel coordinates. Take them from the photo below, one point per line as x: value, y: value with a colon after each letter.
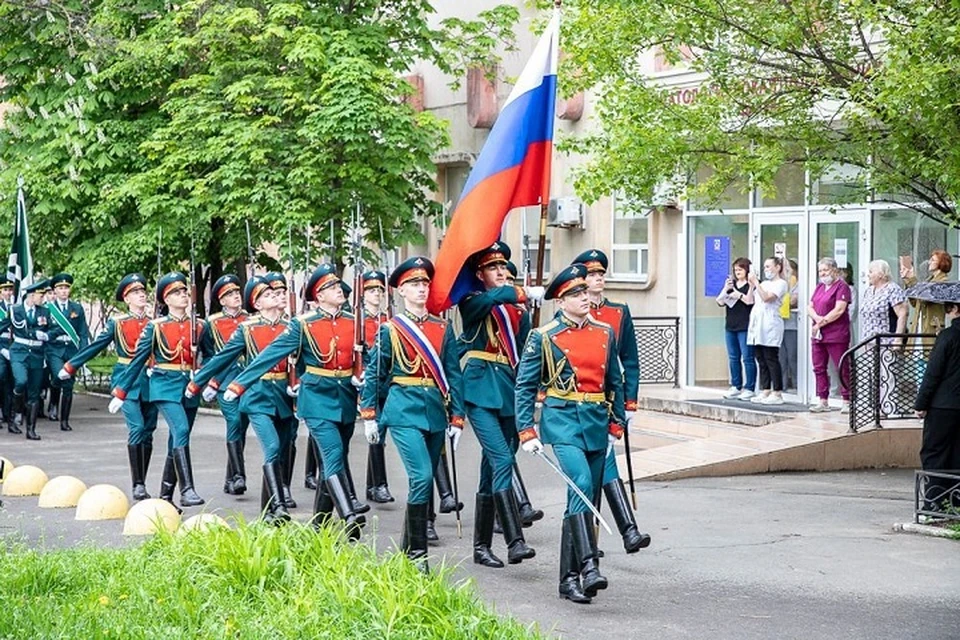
x: 938, y: 403
x: 929, y: 316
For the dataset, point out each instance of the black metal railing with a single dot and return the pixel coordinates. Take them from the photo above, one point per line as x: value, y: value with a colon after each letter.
x: 885, y: 375
x: 658, y: 349
x: 936, y: 494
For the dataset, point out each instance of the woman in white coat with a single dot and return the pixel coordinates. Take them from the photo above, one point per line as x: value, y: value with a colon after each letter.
x: 765, y: 331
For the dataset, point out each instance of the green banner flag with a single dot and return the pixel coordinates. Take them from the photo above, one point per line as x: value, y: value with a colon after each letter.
x: 20, y: 264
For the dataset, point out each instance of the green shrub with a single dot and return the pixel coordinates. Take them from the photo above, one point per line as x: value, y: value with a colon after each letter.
x: 255, y: 581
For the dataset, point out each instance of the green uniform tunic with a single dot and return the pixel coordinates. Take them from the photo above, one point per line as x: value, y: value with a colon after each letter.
x: 27, y: 350
x: 61, y: 347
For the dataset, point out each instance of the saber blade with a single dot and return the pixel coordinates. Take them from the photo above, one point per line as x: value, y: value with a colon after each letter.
x: 556, y: 467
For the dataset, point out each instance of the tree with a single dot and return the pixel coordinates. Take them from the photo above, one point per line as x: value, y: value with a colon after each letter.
x: 867, y: 84
x: 202, y: 117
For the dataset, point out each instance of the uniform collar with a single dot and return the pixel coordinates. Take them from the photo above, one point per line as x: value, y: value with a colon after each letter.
x: 174, y: 318
x: 598, y: 305
x: 570, y: 323
x: 415, y: 318
x: 323, y: 313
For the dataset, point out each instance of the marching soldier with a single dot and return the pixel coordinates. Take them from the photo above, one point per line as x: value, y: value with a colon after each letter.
x: 322, y: 340
x: 374, y: 287
x: 222, y: 325
x: 68, y: 335
x: 416, y: 358
x: 617, y: 315
x: 30, y: 322
x: 6, y: 339
x: 495, y: 326
x: 140, y: 414
x: 266, y: 399
x: 573, y: 358
x: 171, y: 343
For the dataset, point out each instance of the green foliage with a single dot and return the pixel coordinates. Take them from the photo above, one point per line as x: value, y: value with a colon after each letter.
x: 197, y: 117
x: 253, y: 582
x: 870, y: 84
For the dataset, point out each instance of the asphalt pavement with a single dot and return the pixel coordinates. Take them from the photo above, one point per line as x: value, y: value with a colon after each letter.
x: 804, y: 555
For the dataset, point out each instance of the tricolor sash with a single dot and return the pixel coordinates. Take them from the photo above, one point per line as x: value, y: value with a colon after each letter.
x: 507, y: 336
x: 64, y: 324
x: 424, y: 348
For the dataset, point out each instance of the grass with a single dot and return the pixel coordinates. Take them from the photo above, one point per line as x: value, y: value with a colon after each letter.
x: 254, y: 581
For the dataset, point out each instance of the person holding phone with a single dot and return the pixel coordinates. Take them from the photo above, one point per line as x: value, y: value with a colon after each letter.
x: 737, y: 296
x: 765, y: 331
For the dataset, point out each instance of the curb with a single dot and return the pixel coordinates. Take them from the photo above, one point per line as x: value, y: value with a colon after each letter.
x: 925, y: 530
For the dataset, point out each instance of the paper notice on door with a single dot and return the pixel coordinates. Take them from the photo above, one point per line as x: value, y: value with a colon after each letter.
x: 779, y: 249
x: 840, y: 252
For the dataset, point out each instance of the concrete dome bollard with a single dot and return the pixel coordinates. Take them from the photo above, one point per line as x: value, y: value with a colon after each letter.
x: 27, y: 480
x: 149, y: 516
x: 102, y: 502
x: 203, y: 522
x: 61, y: 492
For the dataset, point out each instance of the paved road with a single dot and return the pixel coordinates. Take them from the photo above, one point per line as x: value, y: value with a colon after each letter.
x: 776, y: 556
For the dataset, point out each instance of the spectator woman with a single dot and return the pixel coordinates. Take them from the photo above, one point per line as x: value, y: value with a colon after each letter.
x: 737, y: 297
x: 929, y: 316
x: 830, y: 332
x: 884, y: 306
x: 765, y: 331
x: 938, y: 403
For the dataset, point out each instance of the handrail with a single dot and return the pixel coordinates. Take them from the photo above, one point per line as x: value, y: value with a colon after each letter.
x: 879, y: 336
x: 659, y: 357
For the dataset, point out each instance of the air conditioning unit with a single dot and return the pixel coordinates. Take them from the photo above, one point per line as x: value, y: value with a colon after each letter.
x: 566, y: 213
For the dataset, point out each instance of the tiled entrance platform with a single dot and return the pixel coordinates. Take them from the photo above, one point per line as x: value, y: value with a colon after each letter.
x: 687, y: 443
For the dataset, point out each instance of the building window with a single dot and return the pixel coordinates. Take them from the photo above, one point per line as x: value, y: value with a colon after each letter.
x: 530, y: 237
x: 630, y: 245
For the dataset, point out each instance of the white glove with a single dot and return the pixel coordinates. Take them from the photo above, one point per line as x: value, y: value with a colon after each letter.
x: 357, y: 382
x: 534, y: 294
x: 115, y: 405
x: 629, y: 421
x: 42, y: 336
x: 229, y: 395
x: 371, y: 431
x: 5, y: 353
x: 187, y: 393
x: 453, y: 434
x: 209, y: 394
x: 611, y: 440
x: 292, y: 391
x: 532, y: 446
x: 63, y: 374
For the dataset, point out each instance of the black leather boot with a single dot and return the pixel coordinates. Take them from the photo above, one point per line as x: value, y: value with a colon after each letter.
x: 31, y: 420
x: 228, y: 474
x: 432, y: 536
x: 322, y: 506
x: 347, y: 478
x: 415, y: 534
x: 444, y: 488
x: 238, y: 482
x: 287, y: 459
x: 633, y: 539
x: 377, y: 489
x: 528, y: 515
x: 517, y: 549
x: 483, y: 533
x: 310, y: 473
x: 168, y: 482
x: 272, y: 508
x: 17, y: 419
x: 135, y: 458
x: 585, y: 550
x: 188, y: 496
x: 53, y: 407
x: 66, y: 405
x: 344, y: 506
x: 570, y: 588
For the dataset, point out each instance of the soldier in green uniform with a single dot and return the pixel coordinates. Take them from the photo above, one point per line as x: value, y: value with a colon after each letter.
x: 573, y: 358
x: 30, y: 322
x: 6, y: 339
x: 264, y: 397
x: 68, y: 334
x: 140, y: 414
x: 221, y: 327
x: 617, y: 315
x: 322, y: 340
x: 416, y: 358
x: 171, y: 342
x: 495, y: 327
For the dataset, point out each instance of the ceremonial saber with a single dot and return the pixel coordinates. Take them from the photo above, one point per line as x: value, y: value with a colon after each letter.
x: 456, y: 489
x: 580, y: 494
x: 626, y: 445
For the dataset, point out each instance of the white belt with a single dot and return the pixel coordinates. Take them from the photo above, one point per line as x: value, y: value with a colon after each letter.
x: 8, y: 335
x: 64, y: 339
x: 29, y: 343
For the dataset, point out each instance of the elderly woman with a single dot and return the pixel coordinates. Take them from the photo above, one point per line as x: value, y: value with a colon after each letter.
x: 938, y: 403
x: 884, y: 306
x: 830, y: 333
x: 929, y: 316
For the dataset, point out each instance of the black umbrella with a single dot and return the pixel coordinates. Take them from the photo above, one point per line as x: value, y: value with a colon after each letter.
x: 935, y: 292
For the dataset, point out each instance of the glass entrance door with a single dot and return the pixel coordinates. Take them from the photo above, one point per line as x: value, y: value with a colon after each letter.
x: 784, y: 236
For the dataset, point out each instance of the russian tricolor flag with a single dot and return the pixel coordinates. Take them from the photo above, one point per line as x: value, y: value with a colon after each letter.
x: 513, y: 170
